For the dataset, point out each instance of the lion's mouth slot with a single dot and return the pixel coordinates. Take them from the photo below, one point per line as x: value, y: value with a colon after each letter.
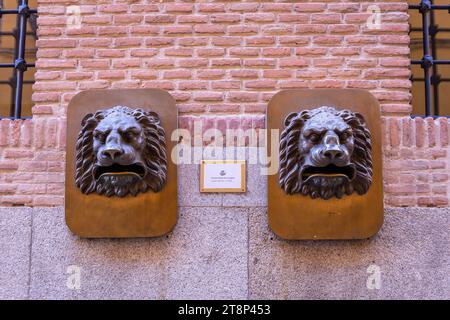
x: 329, y: 171
x: 118, y: 169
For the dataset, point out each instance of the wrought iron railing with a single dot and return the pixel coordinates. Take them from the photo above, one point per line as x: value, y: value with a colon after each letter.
x: 19, y: 64
x: 429, y: 61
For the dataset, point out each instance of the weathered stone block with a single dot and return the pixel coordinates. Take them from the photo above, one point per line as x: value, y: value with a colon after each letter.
x: 205, y: 257
x: 15, y: 240
x: 411, y: 252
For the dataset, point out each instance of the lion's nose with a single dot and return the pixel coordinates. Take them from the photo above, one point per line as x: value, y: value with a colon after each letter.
x: 112, y: 152
x: 333, y: 153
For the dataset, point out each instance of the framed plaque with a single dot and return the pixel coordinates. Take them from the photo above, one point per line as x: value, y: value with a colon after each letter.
x: 222, y: 176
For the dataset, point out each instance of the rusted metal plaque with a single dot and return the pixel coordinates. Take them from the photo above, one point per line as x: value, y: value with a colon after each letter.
x: 329, y: 183
x: 120, y: 178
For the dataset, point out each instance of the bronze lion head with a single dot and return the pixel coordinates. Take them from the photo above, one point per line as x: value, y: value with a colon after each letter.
x: 121, y: 151
x: 325, y: 152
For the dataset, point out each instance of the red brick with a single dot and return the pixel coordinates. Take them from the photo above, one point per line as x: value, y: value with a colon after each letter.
x: 193, y: 63
x: 209, y: 28
x: 208, y: 96
x: 195, y: 18
x: 420, y: 132
x: 431, y: 132
x: 344, y: 7
x: 56, y: 43
x: 127, y: 19
x: 243, y: 29
x: 259, y: 17
x: 177, y: 74
x: 277, y: 74
x: 143, y: 53
x: 325, y: 18
x: 293, y: 84
x: 443, y: 131
x: 111, y: 53
x: 111, y: 74
x: 291, y: 18
x: 293, y: 40
x: 159, y: 42
x: 112, y: 30
x: 242, y: 96
x: 144, y: 74
x: 174, y: 30
x: 177, y: 52
x: 293, y: 62
x: 303, y: 29
x: 226, y: 62
x: 260, y: 41
x: 160, y: 18
x: 179, y: 7
x: 226, y: 41
x: 310, y: 7
x: 260, y: 63
x: 96, y: 20
x: 113, y: 8
x: 211, y: 7
x: 195, y: 41
x: 243, y: 73
x: 244, y: 52
x: 244, y: 7
x: 210, y: 74
x: 225, y: 85
x: 192, y: 85
x: 144, y: 30
x: 277, y: 7
x: 8, y: 165
x: 260, y: 84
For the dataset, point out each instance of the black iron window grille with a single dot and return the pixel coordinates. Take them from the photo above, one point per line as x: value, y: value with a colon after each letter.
x: 19, y: 65
x: 429, y: 62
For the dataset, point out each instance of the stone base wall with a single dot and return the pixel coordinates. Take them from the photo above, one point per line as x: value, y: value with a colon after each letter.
x: 224, y: 253
x: 222, y: 248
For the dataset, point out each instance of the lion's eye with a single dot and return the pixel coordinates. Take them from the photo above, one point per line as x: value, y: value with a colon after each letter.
x: 314, y: 137
x: 100, y: 136
x: 345, y: 135
x: 130, y: 134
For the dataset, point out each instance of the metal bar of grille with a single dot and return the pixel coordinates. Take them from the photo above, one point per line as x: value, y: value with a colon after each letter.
x: 19, y: 65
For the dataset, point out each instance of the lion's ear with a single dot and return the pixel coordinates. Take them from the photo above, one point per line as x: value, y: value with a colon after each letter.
x: 154, y: 117
x: 289, y: 118
x: 85, y: 118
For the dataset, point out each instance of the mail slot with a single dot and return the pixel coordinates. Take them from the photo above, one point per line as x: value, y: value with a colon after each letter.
x: 329, y: 182
x: 120, y: 180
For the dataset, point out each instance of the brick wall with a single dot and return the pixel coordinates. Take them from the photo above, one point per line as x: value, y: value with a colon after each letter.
x: 218, y: 59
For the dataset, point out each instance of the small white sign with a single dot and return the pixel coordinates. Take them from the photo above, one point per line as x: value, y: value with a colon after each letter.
x: 222, y: 176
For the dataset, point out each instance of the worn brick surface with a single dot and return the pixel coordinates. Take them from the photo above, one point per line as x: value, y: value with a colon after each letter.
x: 221, y: 59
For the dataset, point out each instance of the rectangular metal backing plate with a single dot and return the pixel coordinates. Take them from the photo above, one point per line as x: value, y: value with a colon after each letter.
x: 148, y: 214
x: 352, y: 217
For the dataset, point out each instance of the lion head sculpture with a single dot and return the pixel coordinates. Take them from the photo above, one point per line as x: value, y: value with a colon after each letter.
x: 325, y: 152
x: 120, y: 151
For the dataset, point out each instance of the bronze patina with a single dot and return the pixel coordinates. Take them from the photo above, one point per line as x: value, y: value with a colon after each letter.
x: 121, y: 151
x: 325, y: 153
x: 329, y: 183
x: 120, y: 181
